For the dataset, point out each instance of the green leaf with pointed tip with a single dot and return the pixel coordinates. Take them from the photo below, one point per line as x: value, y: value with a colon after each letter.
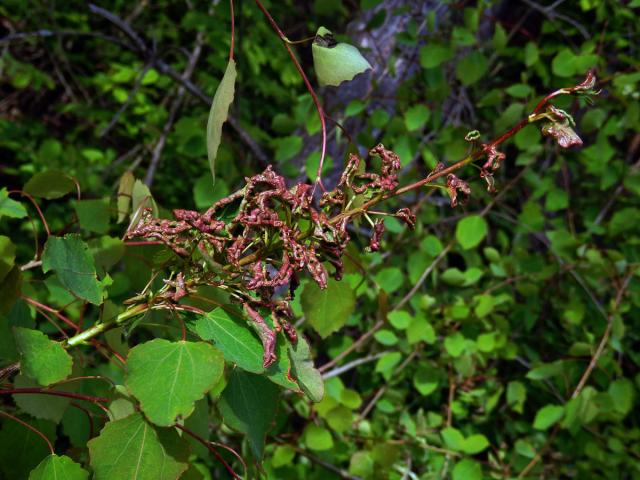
x: 49, y: 184
x: 41, y: 359
x: 58, y: 468
x: 10, y: 288
x: 169, y: 377
x: 233, y: 337
x: 336, y: 62
x: 548, y: 416
x: 131, y: 448
x: 7, y: 256
x: 125, y: 194
x: 141, y: 198
x: 9, y: 207
x: 327, y: 309
x: 471, y: 230
x: 302, y: 369
x: 248, y: 405
x: 69, y: 257
x: 219, y: 113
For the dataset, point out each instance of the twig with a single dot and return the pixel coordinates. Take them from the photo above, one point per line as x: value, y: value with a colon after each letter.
x: 316, y: 101
x: 549, y: 11
x: 127, y: 103
x: 55, y: 393
x: 427, y: 271
x: 604, y: 339
x: 339, y: 471
x: 175, y: 106
x: 141, y: 48
x: 351, y: 365
x: 212, y: 449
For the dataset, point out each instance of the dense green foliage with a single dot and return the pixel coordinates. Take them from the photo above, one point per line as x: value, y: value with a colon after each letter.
x: 496, y: 340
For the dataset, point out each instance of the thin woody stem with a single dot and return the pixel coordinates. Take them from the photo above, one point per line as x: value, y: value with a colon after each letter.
x: 307, y: 83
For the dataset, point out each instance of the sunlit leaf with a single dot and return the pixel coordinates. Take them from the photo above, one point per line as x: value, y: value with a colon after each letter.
x: 58, y: 468
x: 219, y: 113
x: 131, y: 448
x: 327, y: 310
x: 169, y: 377
x: 336, y: 62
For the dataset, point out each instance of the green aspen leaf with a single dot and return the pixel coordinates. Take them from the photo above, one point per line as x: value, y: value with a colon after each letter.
x: 416, y: 117
x: 386, y: 337
x: 426, y: 380
x: 234, y: 339
x: 453, y: 439
x: 7, y: 256
x: 467, y: 469
x: 58, y: 468
x: 623, y: 395
x: 308, y: 377
x: 169, y: 377
x: 318, y: 438
x: 420, y: 330
x: 219, y: 113
x: 471, y: 230
x: 472, y: 68
x: 475, y: 444
x: 248, y: 405
x: 400, y: 319
x: 125, y: 194
x: 516, y: 395
x: 49, y: 184
x: 69, y: 257
x: 41, y: 359
x: 46, y: 407
x: 141, y: 198
x: 131, y: 448
x: 336, y: 62
x: 282, y: 455
x: 390, y: 279
x: 432, y: 55
x: 18, y: 315
x: 9, y: 207
x: 93, y: 215
x: 121, y: 408
x: 327, y: 310
x: 547, y: 416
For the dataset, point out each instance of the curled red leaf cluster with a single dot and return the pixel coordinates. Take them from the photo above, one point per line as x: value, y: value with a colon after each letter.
x: 255, y: 242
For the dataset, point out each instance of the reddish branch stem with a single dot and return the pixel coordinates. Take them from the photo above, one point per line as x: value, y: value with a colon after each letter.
x: 233, y: 30
x: 35, y: 204
x: 57, y: 393
x: 32, y: 428
x: 211, y: 448
x: 307, y: 84
x: 49, y: 309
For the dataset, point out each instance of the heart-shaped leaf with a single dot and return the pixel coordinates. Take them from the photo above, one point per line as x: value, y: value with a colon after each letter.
x: 131, y: 448
x: 169, y: 377
x: 58, y: 468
